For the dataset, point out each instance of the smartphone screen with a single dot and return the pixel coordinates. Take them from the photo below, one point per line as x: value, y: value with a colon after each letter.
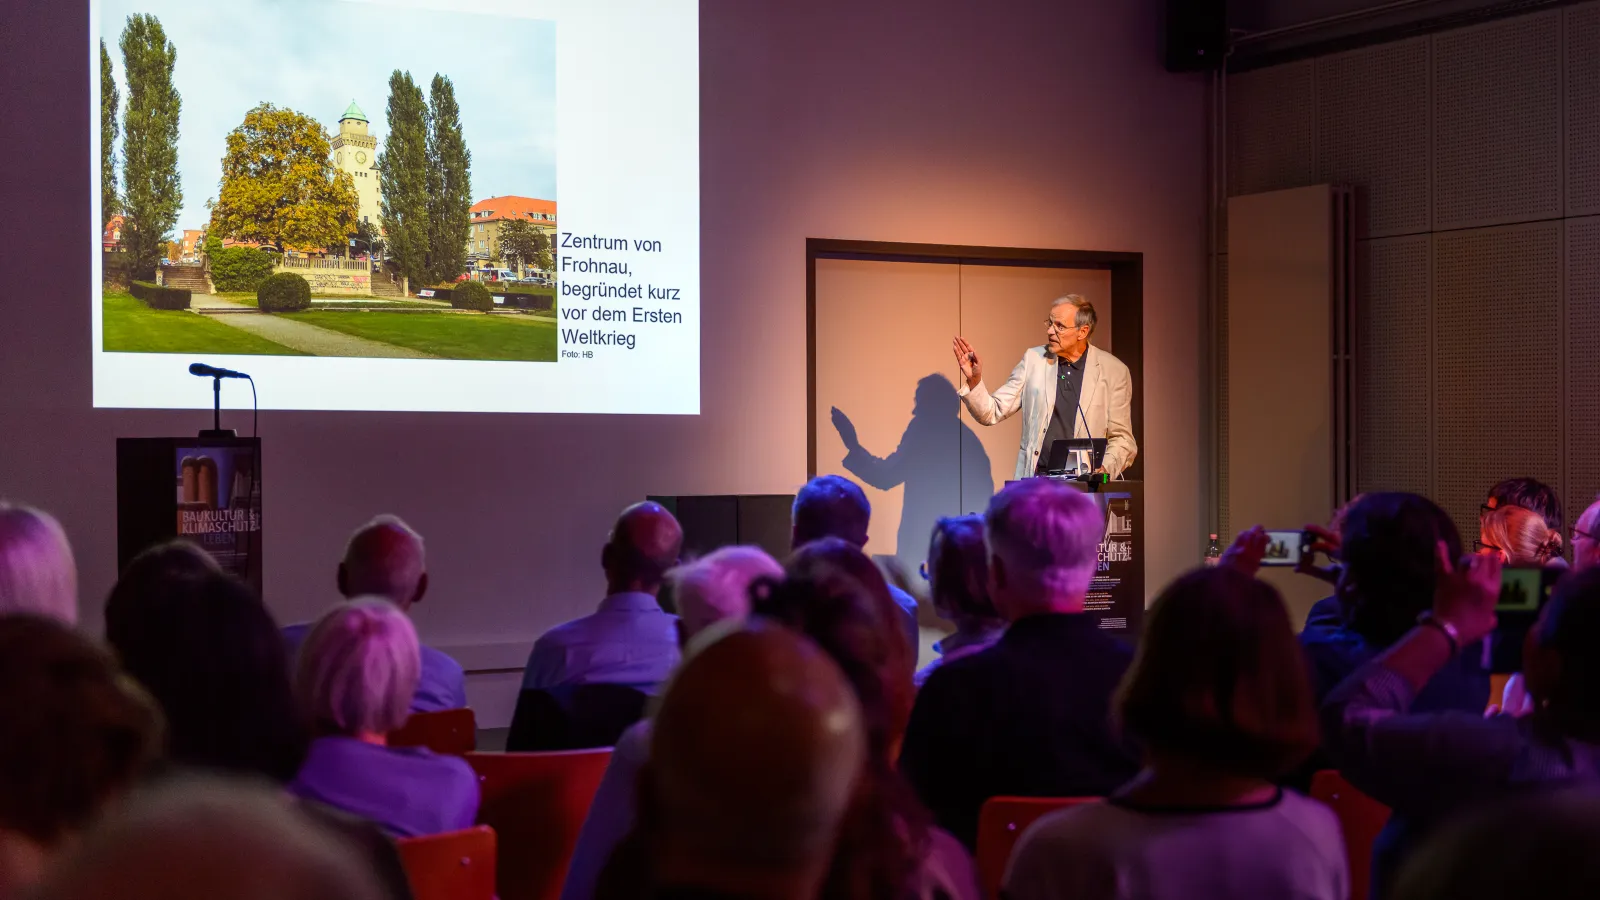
x: 1283, y: 548
x: 1523, y: 588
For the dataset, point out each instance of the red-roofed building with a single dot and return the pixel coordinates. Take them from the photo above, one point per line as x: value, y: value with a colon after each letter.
x: 111, y: 235
x: 483, y: 234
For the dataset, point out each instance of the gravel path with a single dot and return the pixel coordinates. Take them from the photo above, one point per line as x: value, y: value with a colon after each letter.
x: 297, y: 335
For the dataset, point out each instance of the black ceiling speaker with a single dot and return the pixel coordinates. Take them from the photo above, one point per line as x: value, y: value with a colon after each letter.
x: 1197, y: 34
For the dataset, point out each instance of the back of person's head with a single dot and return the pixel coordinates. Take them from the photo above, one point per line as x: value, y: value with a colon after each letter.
x: 197, y: 839
x: 1219, y: 680
x: 1560, y: 659
x: 1530, y: 494
x: 206, y: 648
x: 835, y: 595
x: 1389, y: 545
x: 830, y: 506
x: 1044, y: 544
x: 1540, y: 846
x: 958, y: 569
x: 643, y: 546
x: 838, y: 598
x: 386, y: 558
x: 358, y: 668
x: 716, y: 587
x: 1520, y: 536
x: 74, y: 731
x: 37, y: 571
x: 754, y: 757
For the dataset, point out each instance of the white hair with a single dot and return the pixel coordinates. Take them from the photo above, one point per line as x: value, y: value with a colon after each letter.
x: 37, y: 572
x: 1048, y: 535
x: 1085, y: 315
x: 359, y: 668
x: 717, y: 586
x: 384, y: 557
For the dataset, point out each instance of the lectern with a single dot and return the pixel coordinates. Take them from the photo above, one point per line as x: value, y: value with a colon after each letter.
x: 206, y: 490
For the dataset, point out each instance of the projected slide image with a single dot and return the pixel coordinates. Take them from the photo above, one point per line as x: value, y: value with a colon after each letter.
x: 297, y: 222
x: 354, y: 199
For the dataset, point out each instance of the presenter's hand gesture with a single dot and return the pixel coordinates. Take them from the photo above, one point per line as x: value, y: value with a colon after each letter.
x: 967, y: 359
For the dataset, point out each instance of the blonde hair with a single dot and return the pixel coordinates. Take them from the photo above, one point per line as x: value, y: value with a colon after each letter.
x: 359, y: 668
x: 1522, y: 535
x: 37, y: 571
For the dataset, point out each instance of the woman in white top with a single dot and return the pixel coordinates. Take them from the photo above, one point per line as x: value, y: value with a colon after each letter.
x: 1218, y: 695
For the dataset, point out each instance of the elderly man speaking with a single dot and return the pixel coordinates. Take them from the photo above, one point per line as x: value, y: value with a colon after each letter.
x: 1065, y: 389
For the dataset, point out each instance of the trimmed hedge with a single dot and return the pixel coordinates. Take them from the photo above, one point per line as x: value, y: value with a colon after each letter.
x: 284, y: 292
x: 471, y: 295
x: 241, y: 268
x: 157, y: 296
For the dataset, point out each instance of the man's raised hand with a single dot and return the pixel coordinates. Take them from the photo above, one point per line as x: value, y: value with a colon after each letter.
x: 967, y: 359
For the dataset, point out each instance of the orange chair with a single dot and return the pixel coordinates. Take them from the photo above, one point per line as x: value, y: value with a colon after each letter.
x: 536, y: 802
x: 1497, y: 688
x: 1360, y: 820
x: 1001, y: 823
x: 452, y: 731
x: 456, y: 865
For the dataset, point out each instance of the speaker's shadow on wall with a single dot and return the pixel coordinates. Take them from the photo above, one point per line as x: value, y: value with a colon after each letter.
x: 937, y: 471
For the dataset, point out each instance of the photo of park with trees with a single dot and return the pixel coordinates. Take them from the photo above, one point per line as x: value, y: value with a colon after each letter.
x: 243, y: 213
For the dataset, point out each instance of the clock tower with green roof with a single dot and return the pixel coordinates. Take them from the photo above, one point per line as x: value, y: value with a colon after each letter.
x: 356, y: 152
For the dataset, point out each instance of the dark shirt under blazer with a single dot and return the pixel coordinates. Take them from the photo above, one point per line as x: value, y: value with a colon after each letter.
x: 1030, y: 716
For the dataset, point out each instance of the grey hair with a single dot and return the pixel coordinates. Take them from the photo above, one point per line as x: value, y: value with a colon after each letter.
x: 716, y: 587
x: 37, y: 571
x: 385, y: 557
x: 359, y: 668
x: 1046, y: 534
x: 1086, y: 314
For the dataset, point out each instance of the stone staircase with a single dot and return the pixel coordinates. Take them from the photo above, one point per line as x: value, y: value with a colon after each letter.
x: 383, y: 285
x: 190, y: 277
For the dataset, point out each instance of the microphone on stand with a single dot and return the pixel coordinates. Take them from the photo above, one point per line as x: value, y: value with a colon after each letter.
x: 206, y: 371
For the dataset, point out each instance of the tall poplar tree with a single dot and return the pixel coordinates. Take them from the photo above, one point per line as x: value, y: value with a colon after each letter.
x: 403, y: 178
x: 152, y: 194
x: 449, y: 184
x: 108, y: 138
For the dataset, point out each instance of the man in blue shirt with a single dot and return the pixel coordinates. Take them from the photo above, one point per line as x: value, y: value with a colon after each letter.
x: 834, y: 506
x: 629, y: 640
x: 385, y: 558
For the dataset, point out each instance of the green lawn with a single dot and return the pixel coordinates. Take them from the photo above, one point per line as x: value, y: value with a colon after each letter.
x: 132, y: 327
x: 449, y: 335
x: 346, y: 301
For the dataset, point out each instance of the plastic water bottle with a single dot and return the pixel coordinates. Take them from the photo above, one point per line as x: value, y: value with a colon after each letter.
x: 1213, y: 552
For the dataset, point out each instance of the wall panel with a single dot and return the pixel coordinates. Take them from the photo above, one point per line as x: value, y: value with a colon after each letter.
x: 1582, y: 365
x: 1395, y: 369
x: 1372, y: 132
x: 1272, y: 129
x: 1582, y: 94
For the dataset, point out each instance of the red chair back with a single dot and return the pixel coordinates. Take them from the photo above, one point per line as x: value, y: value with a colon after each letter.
x: 1001, y: 822
x: 1360, y: 820
x: 452, y: 731
x: 536, y: 802
x: 456, y: 865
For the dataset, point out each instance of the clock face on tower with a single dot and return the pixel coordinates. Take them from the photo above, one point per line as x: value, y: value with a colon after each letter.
x: 361, y: 157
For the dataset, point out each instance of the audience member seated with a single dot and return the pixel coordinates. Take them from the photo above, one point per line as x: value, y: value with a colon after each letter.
x: 385, y: 558
x: 1218, y: 697
x: 1389, y: 548
x: 37, y: 571
x: 1586, y: 538
x: 354, y: 681
x: 837, y: 597
x: 630, y: 640
x: 1029, y: 716
x: 1519, y: 538
x: 209, y: 652
x: 834, y: 506
x: 205, y: 839
x: 957, y: 571
x: 1530, y: 494
x: 748, y: 806
x: 214, y: 660
x: 713, y: 589
x: 1542, y: 847
x: 1429, y: 767
x: 74, y: 733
